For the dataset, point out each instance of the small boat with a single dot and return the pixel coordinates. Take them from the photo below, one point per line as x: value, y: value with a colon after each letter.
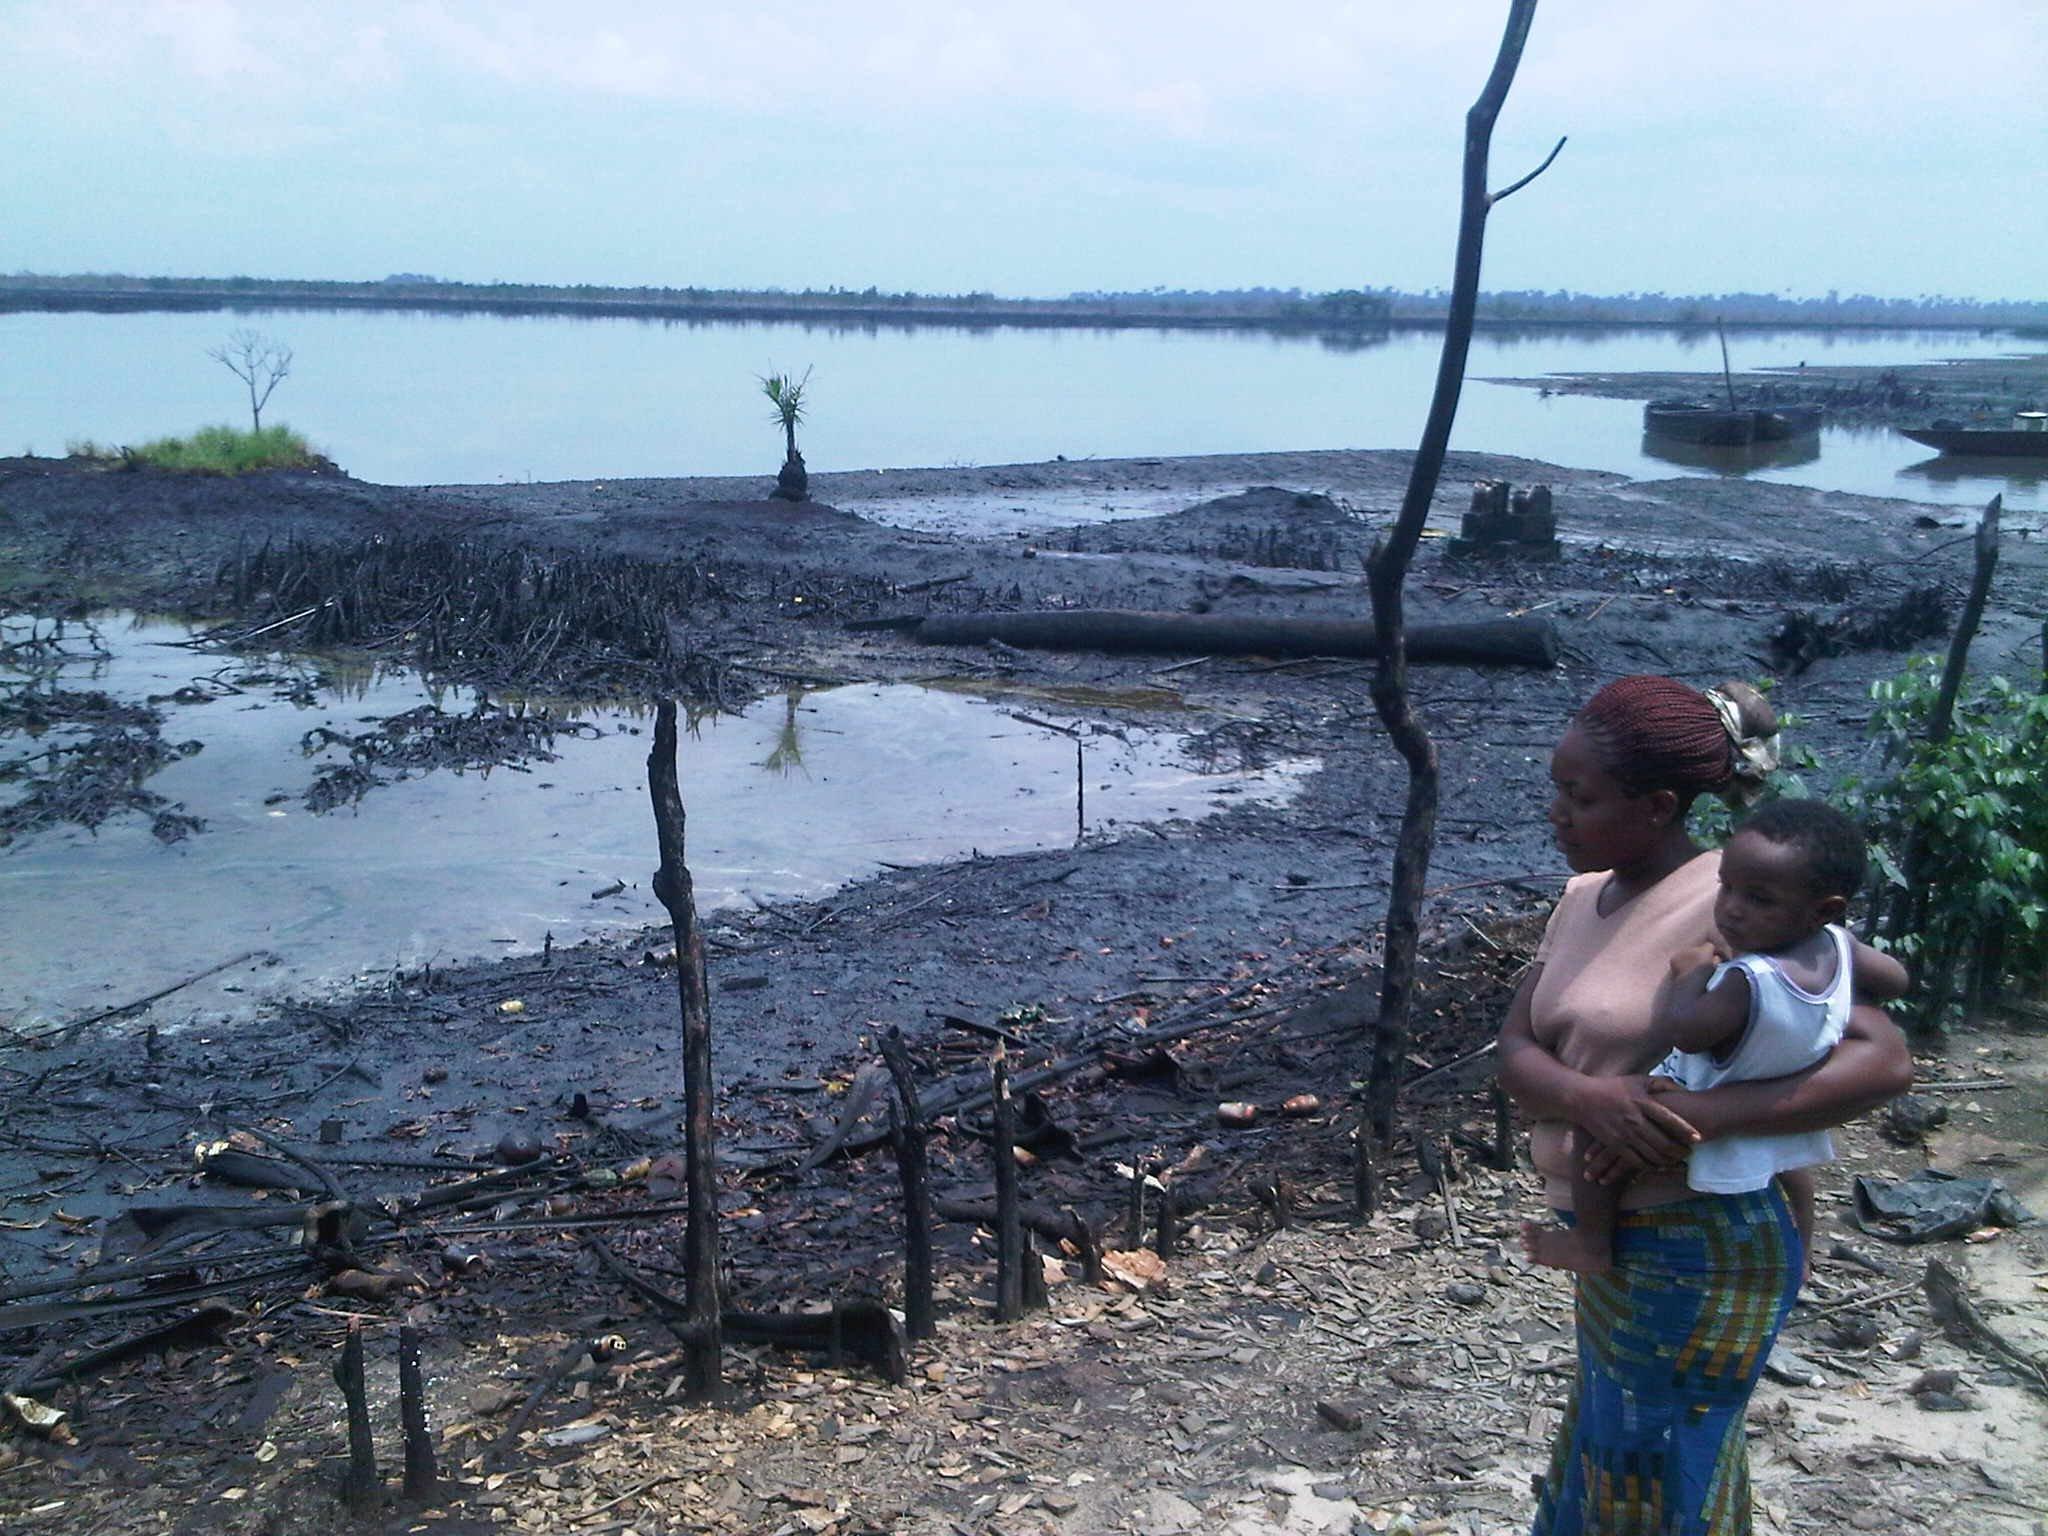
x: 1720, y: 426
x: 1730, y: 425
x: 2026, y: 438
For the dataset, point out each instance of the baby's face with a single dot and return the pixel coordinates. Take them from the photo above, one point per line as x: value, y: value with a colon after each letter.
x: 1767, y: 900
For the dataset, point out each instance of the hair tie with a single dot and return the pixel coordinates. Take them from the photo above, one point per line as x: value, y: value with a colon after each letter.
x: 1755, y: 756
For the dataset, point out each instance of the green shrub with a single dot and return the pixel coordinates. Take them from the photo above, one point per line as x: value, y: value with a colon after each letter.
x: 1959, y: 837
x: 211, y: 450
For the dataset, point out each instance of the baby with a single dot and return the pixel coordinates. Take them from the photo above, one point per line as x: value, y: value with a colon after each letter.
x: 1776, y: 1009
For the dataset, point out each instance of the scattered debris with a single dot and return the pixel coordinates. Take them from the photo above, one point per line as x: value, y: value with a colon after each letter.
x: 1932, y: 1205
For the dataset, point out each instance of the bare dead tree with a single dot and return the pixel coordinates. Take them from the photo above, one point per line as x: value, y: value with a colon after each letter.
x: 672, y: 887
x: 1389, y: 571
x: 1941, y: 720
x: 260, y: 362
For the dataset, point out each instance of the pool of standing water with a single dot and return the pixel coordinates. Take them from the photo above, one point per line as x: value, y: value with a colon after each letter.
x: 791, y: 799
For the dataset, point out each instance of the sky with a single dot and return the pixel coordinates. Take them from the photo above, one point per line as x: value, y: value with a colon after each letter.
x: 1028, y: 147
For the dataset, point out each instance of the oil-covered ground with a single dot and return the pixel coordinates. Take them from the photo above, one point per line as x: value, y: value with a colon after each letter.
x: 1239, y: 941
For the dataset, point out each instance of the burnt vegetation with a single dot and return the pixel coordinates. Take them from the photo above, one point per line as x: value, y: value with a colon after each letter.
x: 461, y: 610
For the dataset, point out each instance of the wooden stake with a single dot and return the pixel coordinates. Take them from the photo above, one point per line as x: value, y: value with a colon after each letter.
x: 1036, y: 1298
x: 1009, y: 1225
x: 672, y: 886
x: 359, y: 1487
x: 1168, y: 1236
x: 421, y: 1474
x: 1365, y: 1175
x: 1436, y: 1168
x: 908, y: 1138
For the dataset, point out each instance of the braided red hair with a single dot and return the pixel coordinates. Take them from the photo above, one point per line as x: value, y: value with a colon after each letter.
x: 1655, y: 733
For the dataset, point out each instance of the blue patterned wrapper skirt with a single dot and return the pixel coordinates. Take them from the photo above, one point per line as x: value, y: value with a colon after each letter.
x: 1671, y: 1342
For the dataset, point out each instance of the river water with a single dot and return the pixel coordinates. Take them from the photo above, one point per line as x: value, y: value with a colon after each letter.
x: 427, y: 398
x: 791, y: 799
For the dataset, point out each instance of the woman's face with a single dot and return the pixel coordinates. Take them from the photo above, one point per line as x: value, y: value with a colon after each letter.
x: 1600, y: 825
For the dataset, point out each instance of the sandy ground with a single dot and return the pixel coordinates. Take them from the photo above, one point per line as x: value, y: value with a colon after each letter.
x: 1188, y: 1407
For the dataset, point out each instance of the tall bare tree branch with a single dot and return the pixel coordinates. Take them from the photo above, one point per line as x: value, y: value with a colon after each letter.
x: 673, y: 888
x: 1389, y: 572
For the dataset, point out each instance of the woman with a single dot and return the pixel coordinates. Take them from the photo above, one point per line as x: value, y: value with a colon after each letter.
x: 1671, y: 1341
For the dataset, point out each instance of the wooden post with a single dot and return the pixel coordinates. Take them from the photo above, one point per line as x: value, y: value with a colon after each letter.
x: 908, y: 1138
x: 1168, y: 1236
x: 359, y: 1486
x: 1387, y: 572
x: 1985, y: 551
x: 1435, y: 1161
x: 1009, y: 1223
x: 1036, y: 1296
x: 1365, y: 1175
x: 421, y: 1474
x: 672, y: 886
x: 1134, y: 1219
x: 1080, y: 791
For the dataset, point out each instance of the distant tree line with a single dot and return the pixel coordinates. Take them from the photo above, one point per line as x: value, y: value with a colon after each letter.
x: 1348, y: 309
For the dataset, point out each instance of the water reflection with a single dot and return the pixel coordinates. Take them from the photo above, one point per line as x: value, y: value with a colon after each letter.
x: 2029, y: 475
x: 445, y: 865
x: 1744, y: 460
x: 789, y: 748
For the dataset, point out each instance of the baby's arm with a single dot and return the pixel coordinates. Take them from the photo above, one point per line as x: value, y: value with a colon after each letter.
x: 1875, y: 975
x: 1698, y: 1020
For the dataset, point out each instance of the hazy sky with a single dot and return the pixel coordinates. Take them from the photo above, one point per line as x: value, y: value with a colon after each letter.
x: 1027, y: 146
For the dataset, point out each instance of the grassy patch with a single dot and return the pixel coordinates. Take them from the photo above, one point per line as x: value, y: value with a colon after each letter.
x: 212, y: 450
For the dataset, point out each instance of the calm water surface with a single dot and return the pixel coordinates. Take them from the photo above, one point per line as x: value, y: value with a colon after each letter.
x: 791, y: 799
x: 410, y: 398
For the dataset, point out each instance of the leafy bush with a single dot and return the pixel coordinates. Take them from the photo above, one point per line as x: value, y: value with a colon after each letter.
x: 1959, y: 836
x: 212, y: 450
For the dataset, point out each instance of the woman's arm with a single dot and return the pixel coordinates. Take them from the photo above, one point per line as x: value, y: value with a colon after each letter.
x: 1871, y: 1066
x: 1615, y: 1111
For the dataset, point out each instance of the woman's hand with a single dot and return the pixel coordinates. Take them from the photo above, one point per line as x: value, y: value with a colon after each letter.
x: 1636, y: 1130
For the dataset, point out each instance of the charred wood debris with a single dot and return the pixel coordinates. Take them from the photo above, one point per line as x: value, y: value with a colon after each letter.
x: 466, y: 610
x: 260, y: 1222
x: 78, y: 755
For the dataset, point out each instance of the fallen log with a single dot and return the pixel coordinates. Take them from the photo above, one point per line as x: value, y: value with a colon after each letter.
x: 200, y: 1327
x: 1063, y: 1226
x: 146, y: 1229
x: 862, y: 1330
x: 231, y: 1165
x: 866, y: 1330
x: 1522, y: 642
x: 1351, y: 1003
